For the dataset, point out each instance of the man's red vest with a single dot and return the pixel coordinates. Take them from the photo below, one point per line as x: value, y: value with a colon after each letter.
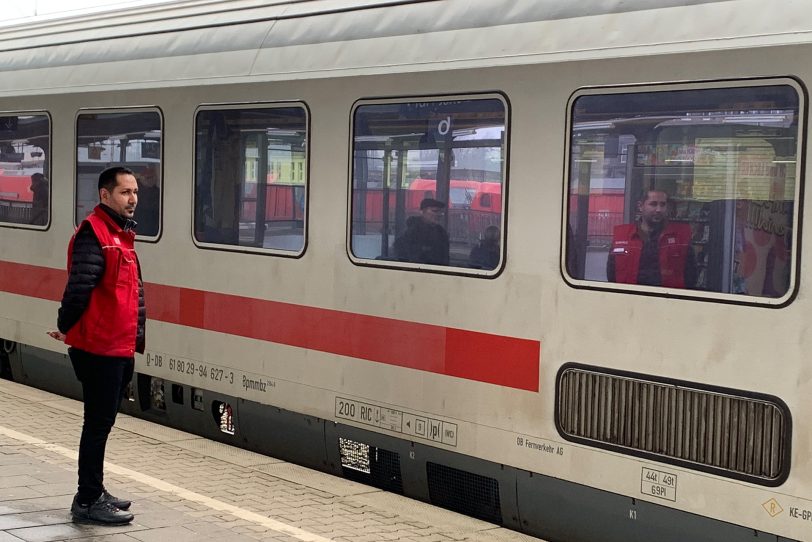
x: 674, y: 243
x: 109, y: 324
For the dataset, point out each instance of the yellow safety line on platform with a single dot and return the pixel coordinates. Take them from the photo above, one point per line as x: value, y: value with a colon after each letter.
x: 160, y: 485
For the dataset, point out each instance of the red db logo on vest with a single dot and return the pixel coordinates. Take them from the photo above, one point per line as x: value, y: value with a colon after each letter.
x: 116, y: 240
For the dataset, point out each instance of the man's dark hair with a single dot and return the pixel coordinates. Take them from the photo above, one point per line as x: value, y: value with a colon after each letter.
x: 431, y: 202
x: 647, y: 191
x: 108, y: 179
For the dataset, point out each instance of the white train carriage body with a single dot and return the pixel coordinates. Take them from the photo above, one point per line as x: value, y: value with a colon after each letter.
x: 652, y: 407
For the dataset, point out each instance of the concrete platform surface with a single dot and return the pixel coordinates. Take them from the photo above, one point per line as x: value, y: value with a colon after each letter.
x: 187, y: 488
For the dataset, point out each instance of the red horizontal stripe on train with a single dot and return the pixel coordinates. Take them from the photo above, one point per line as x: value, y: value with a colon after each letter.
x: 494, y: 359
x: 32, y: 281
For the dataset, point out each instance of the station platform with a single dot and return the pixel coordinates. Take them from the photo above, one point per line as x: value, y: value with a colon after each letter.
x: 187, y: 488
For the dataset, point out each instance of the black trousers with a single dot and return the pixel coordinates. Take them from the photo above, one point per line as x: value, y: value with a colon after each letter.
x: 104, y: 380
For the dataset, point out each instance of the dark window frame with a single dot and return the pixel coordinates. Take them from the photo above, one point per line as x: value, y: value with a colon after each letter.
x: 162, y: 154
x: 221, y: 106
x: 48, y: 172
x: 697, y: 295
x: 421, y: 267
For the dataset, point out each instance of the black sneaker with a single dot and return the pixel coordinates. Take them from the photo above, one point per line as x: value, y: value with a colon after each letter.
x: 121, y: 504
x: 99, y: 512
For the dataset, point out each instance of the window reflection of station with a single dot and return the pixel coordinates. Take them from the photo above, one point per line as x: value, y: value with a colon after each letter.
x: 451, y: 151
x: 725, y: 157
x: 24, y: 164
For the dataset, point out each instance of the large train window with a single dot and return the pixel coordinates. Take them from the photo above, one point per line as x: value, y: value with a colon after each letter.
x: 428, y: 179
x: 129, y: 138
x: 25, y: 147
x: 694, y: 190
x: 251, y: 177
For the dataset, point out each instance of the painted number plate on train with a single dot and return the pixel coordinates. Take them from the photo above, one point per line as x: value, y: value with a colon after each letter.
x: 662, y: 485
x: 398, y: 421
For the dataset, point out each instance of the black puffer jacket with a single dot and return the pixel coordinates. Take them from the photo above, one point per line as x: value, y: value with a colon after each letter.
x: 87, y: 269
x: 422, y: 242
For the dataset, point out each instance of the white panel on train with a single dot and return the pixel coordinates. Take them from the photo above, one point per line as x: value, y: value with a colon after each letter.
x: 288, y: 146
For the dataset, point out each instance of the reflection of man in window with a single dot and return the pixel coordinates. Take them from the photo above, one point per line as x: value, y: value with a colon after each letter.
x: 425, y: 239
x: 653, y: 251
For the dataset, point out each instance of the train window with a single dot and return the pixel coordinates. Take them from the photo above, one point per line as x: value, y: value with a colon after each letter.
x: 251, y: 177
x: 25, y: 148
x: 427, y: 183
x: 693, y: 189
x: 132, y: 139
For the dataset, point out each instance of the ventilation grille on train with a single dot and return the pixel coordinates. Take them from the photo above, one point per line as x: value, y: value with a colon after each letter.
x: 745, y: 437
x: 464, y: 492
x: 370, y: 465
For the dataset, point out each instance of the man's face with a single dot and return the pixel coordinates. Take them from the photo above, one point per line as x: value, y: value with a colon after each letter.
x: 124, y: 196
x: 653, y: 209
x: 433, y: 214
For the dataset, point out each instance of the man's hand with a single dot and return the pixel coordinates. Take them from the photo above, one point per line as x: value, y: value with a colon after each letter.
x: 56, y: 335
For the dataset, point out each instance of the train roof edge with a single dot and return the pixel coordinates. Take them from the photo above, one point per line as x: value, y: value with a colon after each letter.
x: 209, y: 42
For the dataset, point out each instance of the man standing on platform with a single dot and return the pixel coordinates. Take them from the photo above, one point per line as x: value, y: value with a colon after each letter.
x: 102, y: 319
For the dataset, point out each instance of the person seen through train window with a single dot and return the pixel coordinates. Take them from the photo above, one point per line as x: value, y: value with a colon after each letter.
x: 486, y: 254
x: 652, y: 251
x: 149, y: 202
x: 425, y: 239
x: 39, y: 207
x: 102, y: 319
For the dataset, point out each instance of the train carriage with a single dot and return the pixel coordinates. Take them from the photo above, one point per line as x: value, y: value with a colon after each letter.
x: 283, y: 148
